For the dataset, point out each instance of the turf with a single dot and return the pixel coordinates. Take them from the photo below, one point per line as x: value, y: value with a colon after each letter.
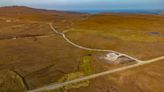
x: 42, y: 61
x: 125, y: 33
x: 147, y: 78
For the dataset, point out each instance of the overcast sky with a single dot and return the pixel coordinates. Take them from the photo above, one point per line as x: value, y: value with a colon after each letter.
x: 87, y: 4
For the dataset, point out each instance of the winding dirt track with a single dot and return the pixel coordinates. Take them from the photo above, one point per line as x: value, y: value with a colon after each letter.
x: 40, y: 36
x: 55, y: 86
x: 91, y: 49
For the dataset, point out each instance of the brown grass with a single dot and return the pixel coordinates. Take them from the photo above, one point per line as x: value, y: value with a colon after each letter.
x: 147, y: 78
x: 10, y: 82
x: 22, y: 29
x: 128, y: 34
x: 42, y: 61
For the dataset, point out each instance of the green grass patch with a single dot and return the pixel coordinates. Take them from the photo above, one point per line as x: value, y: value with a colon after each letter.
x: 86, y: 67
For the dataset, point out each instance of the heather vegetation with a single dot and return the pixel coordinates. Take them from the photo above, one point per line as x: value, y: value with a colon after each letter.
x: 124, y: 33
x: 33, y: 55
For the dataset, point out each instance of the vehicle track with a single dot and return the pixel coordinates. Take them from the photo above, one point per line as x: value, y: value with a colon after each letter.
x: 90, y: 49
x: 56, y: 86
x: 36, y: 36
x: 59, y: 85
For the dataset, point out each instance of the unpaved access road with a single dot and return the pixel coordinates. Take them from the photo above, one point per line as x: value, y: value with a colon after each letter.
x: 56, y: 86
x: 35, y: 36
x: 90, y: 49
x: 59, y: 85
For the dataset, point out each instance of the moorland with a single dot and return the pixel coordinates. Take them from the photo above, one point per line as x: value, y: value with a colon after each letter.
x: 32, y: 55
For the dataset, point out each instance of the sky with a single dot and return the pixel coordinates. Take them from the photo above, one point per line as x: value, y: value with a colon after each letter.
x: 87, y: 4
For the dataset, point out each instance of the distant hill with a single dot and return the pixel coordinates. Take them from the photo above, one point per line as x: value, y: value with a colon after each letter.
x: 32, y: 13
x: 62, y: 19
x: 28, y: 10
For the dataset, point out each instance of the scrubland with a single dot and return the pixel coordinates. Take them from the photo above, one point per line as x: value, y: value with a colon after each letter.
x: 29, y: 60
x: 126, y: 33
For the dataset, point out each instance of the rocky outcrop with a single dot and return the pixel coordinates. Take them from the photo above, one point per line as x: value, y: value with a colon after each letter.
x: 114, y: 58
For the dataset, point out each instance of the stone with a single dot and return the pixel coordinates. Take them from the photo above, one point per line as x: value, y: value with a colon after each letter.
x: 112, y: 56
